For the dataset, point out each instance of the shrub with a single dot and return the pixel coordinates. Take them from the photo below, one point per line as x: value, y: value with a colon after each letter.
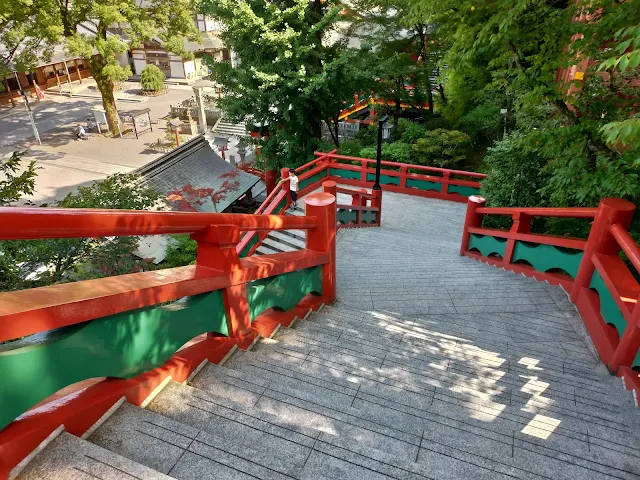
x: 152, y: 79
x: 350, y: 148
x: 483, y: 124
x: 515, y: 176
x: 441, y: 148
x: 395, y: 152
x: 368, y: 136
x: 407, y: 131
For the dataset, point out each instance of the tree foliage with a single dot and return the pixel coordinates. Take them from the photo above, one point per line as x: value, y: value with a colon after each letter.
x: 507, y: 55
x: 291, y: 75
x: 16, y: 181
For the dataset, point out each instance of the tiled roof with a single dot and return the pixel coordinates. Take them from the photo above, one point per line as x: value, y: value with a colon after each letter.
x: 195, y: 163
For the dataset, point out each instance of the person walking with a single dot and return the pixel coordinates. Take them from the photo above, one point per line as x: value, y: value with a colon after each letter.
x: 293, y: 189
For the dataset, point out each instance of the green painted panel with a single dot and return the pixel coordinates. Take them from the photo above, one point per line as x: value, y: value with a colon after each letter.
x: 547, y: 257
x: 636, y: 361
x: 346, y: 216
x: 384, y: 179
x: 487, y: 245
x: 368, y: 216
x: 313, y: 179
x: 252, y: 242
x: 122, y: 345
x: 283, y: 291
x: 334, y: 172
x: 608, y: 306
x: 423, y: 184
x: 464, y: 191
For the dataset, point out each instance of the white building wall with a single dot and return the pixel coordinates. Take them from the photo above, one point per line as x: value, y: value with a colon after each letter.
x: 138, y: 65
x: 177, y: 69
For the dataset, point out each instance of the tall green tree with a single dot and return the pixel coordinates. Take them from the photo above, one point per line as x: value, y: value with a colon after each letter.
x: 292, y: 73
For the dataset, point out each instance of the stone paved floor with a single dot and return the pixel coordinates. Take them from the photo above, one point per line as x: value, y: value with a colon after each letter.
x: 429, y: 366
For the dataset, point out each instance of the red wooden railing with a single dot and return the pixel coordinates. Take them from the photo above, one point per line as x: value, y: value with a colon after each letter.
x: 417, y: 180
x: 218, y: 267
x: 363, y: 204
x: 596, y: 256
x: 433, y: 182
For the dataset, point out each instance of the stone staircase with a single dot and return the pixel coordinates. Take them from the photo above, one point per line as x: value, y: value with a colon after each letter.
x: 283, y: 240
x: 429, y: 366
x: 230, y: 129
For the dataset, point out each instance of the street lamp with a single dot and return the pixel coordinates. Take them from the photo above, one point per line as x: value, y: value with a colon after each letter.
x: 384, y: 130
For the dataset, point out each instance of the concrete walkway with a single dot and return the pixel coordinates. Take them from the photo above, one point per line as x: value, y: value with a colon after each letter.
x: 428, y: 366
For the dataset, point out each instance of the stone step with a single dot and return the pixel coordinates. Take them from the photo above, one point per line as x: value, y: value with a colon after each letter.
x: 68, y: 457
x: 409, y: 412
x: 326, y: 328
x: 380, y: 386
x: 300, y: 409
x: 219, y: 415
x: 441, y: 369
x: 417, y: 332
x: 586, y: 442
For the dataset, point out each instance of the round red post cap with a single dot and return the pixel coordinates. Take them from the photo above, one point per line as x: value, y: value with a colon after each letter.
x: 319, y: 199
x: 477, y: 199
x: 329, y: 183
x: 618, y: 204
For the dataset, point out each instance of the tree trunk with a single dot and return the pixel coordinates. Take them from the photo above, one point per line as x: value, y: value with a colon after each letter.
x: 333, y: 133
x: 441, y: 92
x: 105, y: 85
x: 336, y: 129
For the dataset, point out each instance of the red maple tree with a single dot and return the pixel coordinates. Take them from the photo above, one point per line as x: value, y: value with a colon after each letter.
x: 188, y: 198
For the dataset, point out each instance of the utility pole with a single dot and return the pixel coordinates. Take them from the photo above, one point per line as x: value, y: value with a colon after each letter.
x: 31, y: 119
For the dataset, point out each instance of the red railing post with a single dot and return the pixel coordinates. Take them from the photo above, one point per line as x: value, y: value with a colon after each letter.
x: 471, y: 219
x: 610, y: 211
x: 285, y: 173
x: 446, y: 176
x: 403, y: 176
x: 270, y: 180
x: 217, y: 250
x: 362, y: 200
x: 323, y: 238
x: 364, y: 167
x: 627, y: 349
x: 377, y: 203
x: 521, y: 224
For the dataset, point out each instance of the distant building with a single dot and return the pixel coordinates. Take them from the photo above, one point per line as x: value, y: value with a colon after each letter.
x: 174, y: 66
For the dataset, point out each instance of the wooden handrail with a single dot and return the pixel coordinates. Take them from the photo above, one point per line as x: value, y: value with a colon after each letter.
x: 269, y: 198
x: 27, y: 223
x: 627, y: 244
x: 349, y: 191
x: 541, y: 212
x: 358, y: 207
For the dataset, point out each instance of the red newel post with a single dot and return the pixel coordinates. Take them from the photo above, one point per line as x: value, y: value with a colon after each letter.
x: 377, y: 203
x: 446, y: 176
x: 285, y: 173
x: 610, y: 212
x: 323, y: 238
x: 627, y: 349
x: 270, y: 180
x: 217, y: 250
x: 364, y: 168
x: 471, y: 219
